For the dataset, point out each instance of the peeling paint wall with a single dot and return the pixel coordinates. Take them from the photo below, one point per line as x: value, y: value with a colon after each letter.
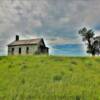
x: 32, y: 50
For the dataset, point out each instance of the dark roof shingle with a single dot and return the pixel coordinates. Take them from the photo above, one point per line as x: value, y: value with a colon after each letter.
x: 25, y: 42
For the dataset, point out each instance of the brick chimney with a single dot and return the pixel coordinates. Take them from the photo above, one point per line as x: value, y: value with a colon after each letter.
x: 17, y: 37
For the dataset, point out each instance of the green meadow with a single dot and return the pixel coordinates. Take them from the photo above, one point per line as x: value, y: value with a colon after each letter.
x: 49, y: 78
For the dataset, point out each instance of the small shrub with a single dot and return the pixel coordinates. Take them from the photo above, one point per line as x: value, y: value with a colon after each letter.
x: 42, y: 61
x: 1, y: 58
x: 57, y: 78
x: 70, y: 69
x: 78, y: 98
x: 74, y: 62
x: 23, y: 67
x: 10, y: 65
x: 23, y: 81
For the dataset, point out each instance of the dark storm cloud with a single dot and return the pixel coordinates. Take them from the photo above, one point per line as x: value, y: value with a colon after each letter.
x: 50, y: 18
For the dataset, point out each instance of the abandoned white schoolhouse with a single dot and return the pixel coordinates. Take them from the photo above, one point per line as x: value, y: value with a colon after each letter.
x: 27, y: 47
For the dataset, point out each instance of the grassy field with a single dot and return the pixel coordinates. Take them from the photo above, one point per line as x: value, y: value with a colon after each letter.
x: 49, y: 78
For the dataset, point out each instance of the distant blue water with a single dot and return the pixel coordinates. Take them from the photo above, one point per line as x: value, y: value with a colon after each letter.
x: 68, y: 50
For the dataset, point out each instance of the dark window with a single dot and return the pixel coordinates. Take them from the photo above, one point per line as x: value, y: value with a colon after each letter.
x: 12, y: 51
x: 42, y: 48
x: 27, y: 50
x: 19, y: 50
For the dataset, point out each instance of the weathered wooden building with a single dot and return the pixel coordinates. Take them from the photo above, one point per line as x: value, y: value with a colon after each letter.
x: 27, y: 47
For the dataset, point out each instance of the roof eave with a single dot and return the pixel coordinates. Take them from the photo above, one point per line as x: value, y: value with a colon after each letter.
x: 23, y: 44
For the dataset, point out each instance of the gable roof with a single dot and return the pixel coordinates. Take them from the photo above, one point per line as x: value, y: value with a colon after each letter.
x: 26, y: 42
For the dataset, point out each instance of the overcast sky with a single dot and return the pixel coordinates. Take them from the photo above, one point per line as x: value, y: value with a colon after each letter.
x: 58, y: 21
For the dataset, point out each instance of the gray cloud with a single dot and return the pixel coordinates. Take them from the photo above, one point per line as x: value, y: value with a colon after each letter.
x: 49, y: 18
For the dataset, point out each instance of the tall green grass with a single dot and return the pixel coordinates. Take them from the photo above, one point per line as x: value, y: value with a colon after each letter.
x: 49, y: 78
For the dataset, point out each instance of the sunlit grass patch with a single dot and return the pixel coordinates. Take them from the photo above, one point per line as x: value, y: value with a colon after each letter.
x: 49, y: 78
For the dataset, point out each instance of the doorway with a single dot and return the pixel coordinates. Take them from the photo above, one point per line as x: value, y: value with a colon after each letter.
x: 19, y: 50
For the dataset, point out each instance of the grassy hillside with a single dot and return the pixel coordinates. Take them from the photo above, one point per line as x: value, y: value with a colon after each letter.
x: 49, y: 78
